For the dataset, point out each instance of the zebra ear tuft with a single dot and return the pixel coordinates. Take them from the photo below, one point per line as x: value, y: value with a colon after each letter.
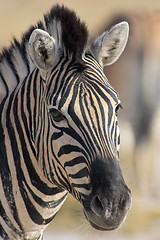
x: 109, y: 46
x: 42, y: 49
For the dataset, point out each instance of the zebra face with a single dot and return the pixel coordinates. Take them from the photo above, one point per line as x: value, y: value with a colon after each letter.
x: 86, y: 142
x: 82, y: 135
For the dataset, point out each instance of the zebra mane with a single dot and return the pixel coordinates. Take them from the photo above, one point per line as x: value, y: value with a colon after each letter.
x: 74, y: 32
x: 63, y: 25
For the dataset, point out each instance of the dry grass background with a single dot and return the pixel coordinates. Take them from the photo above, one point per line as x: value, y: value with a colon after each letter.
x: 15, y: 17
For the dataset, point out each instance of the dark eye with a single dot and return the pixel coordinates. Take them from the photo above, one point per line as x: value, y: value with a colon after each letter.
x: 118, y: 107
x: 56, y: 115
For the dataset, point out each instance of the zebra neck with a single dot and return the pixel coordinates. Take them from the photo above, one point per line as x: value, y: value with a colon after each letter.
x: 24, y: 109
x: 29, y: 187
x: 36, y: 113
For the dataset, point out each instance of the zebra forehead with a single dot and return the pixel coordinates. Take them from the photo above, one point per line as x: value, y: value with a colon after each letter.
x: 81, y: 85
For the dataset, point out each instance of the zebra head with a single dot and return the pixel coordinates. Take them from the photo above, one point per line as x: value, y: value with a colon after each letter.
x: 80, y: 109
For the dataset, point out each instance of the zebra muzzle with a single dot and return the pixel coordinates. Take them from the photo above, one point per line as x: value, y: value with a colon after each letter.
x: 110, y: 200
x: 107, y: 215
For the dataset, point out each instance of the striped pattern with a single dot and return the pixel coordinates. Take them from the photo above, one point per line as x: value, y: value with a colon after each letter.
x: 42, y: 159
x: 42, y: 153
x: 23, y: 184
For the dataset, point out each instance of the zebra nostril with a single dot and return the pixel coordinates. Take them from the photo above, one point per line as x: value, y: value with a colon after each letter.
x: 122, y: 204
x: 97, y: 205
x: 125, y: 202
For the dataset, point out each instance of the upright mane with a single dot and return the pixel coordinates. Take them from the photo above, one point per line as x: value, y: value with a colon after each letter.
x: 59, y: 22
x: 74, y: 32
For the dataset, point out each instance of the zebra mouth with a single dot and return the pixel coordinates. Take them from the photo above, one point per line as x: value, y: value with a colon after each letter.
x: 100, y: 228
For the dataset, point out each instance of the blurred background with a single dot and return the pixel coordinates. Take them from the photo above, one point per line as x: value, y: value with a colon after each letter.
x: 136, y: 76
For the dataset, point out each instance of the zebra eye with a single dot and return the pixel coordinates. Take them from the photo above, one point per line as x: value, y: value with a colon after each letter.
x: 117, y: 108
x: 56, y: 115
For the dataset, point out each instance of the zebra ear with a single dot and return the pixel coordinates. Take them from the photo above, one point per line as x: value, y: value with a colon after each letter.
x: 42, y: 49
x: 109, y: 46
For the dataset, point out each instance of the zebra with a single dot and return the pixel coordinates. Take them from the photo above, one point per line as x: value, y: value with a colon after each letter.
x: 58, y: 128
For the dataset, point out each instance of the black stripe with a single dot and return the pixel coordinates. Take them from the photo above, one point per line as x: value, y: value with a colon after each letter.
x: 75, y: 161
x: 85, y: 186
x: 119, y: 139
x: 5, y: 84
x: 115, y: 134
x: 63, y: 180
x: 8, y: 222
x: 67, y: 149
x: 56, y: 135
x: 80, y: 174
x: 29, y: 90
x: 3, y: 233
